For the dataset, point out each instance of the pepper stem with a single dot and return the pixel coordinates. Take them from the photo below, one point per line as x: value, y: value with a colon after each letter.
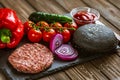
x: 5, y: 35
x: 5, y: 39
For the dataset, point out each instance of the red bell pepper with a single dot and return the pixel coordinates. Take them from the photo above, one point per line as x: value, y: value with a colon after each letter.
x: 11, y: 28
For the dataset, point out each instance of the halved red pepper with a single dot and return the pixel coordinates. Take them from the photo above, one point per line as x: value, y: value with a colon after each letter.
x: 11, y: 28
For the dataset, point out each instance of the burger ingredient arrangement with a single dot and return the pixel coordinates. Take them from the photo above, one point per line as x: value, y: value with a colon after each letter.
x: 44, y: 31
x: 65, y: 38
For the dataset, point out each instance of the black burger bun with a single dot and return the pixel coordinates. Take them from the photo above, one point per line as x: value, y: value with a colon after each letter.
x: 94, y: 38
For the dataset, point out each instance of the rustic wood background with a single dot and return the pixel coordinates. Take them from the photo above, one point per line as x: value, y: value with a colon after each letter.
x: 105, y: 68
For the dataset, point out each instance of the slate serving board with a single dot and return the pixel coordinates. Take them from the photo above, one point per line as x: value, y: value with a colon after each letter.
x: 12, y: 74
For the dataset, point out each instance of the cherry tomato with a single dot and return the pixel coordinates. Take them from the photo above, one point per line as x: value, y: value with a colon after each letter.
x: 27, y: 26
x: 71, y: 27
x: 48, y: 34
x: 34, y: 35
x: 42, y: 25
x: 66, y: 35
x: 56, y: 26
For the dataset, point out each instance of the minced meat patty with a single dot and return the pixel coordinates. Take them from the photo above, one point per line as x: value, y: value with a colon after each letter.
x: 31, y: 58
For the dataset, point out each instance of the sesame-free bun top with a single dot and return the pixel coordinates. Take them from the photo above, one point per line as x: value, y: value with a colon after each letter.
x: 94, y: 38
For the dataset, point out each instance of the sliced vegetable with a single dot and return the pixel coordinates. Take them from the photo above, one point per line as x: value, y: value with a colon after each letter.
x: 56, y: 42
x: 50, y: 18
x: 66, y: 52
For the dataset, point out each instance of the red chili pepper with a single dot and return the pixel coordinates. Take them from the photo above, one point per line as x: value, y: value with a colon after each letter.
x: 11, y: 28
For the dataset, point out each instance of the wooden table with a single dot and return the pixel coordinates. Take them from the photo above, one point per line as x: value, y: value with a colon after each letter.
x: 105, y: 68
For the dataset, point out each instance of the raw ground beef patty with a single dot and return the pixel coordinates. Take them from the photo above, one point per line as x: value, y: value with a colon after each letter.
x: 31, y: 58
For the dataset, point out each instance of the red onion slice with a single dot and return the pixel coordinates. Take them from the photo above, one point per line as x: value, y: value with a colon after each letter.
x: 66, y: 52
x: 56, y: 42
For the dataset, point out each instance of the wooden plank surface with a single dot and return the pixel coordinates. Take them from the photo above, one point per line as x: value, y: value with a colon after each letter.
x: 106, y: 68
x: 116, y: 3
x: 49, y: 6
x: 106, y: 9
x: 110, y: 66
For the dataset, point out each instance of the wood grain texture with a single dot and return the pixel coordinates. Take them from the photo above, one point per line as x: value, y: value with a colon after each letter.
x: 73, y: 74
x: 2, y: 77
x: 69, y: 5
x: 115, y: 3
x: 59, y: 76
x: 90, y: 72
x: 109, y: 65
x: 85, y: 71
x: 22, y: 8
x: 107, y: 10
x: 49, y: 6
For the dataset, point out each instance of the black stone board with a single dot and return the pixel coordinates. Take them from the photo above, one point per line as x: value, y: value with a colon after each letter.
x: 12, y: 74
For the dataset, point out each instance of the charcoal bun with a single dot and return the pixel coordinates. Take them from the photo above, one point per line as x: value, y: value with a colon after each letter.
x: 94, y: 38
